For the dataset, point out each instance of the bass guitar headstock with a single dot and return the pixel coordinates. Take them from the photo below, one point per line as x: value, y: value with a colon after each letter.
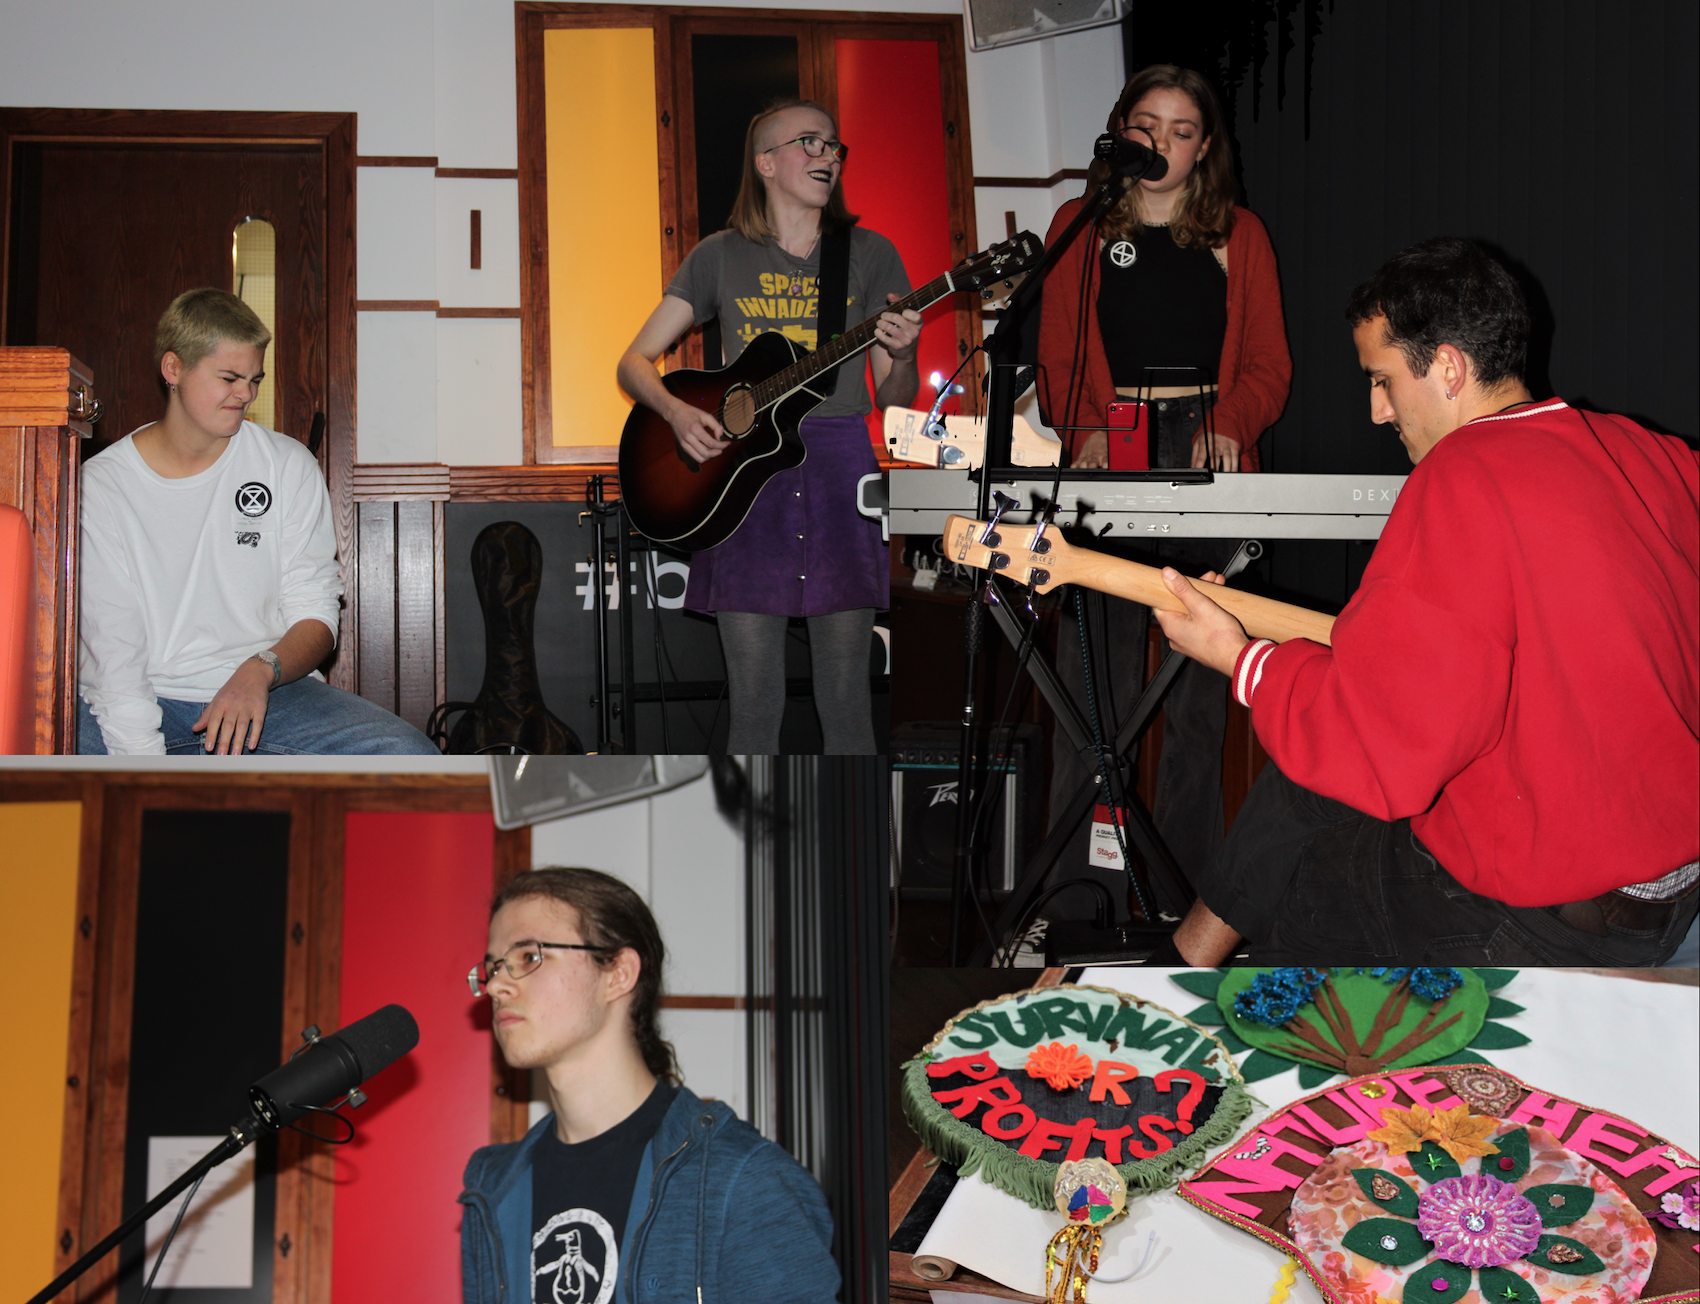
x: 995, y: 272
x: 1016, y: 551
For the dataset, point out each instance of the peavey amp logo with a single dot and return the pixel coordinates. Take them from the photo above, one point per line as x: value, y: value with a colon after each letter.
x: 253, y: 499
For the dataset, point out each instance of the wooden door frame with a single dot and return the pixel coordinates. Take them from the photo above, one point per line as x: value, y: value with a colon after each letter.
x: 90, y: 1196
x: 533, y: 17
x: 334, y: 135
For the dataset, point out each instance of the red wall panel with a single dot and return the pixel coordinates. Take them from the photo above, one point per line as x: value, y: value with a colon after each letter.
x: 415, y: 891
x: 891, y: 114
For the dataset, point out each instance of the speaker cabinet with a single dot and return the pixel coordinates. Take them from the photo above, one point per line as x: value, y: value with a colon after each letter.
x: 924, y: 759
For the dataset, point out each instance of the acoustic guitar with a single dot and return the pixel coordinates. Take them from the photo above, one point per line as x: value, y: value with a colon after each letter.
x: 1010, y: 550
x: 760, y: 400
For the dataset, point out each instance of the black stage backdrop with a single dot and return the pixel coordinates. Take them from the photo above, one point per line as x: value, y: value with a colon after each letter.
x: 208, y: 1013
x: 1564, y: 137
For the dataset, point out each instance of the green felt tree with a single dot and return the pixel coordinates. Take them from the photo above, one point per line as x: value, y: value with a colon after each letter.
x: 1358, y: 1023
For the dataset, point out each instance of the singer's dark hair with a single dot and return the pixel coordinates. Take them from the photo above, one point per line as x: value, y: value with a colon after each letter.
x: 1448, y: 291
x: 611, y: 916
x: 1204, y: 211
x: 749, y: 210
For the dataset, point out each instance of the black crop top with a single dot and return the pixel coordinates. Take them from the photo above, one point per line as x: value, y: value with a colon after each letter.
x: 1160, y: 305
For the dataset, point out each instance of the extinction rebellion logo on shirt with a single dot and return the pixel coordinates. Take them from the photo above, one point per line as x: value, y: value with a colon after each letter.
x: 574, y: 1259
x: 253, y: 499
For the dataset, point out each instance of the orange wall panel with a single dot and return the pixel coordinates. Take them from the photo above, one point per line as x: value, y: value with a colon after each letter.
x: 37, y: 937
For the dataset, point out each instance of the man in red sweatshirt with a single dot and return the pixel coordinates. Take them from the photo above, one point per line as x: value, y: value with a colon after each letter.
x: 1470, y: 774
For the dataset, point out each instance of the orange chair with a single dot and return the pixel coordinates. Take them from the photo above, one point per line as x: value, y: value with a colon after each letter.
x: 17, y: 634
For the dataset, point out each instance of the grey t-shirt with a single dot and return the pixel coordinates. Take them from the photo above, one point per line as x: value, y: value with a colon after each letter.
x: 754, y: 288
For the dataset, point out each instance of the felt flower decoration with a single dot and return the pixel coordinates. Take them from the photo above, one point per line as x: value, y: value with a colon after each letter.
x: 1402, y: 1130
x: 1680, y: 1208
x: 1063, y: 1067
x: 1462, y: 1134
x: 1478, y: 1221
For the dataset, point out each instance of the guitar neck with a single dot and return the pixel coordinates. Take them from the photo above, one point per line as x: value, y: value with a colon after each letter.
x: 847, y: 345
x: 1262, y: 617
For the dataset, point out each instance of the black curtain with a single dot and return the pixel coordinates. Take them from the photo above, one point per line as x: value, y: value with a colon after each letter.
x: 1564, y: 137
x: 817, y: 962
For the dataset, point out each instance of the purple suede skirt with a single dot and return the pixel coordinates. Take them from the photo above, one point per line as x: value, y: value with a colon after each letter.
x: 804, y: 549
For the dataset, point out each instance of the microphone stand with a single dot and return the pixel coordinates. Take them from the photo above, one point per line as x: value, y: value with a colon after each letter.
x: 1003, y: 353
x: 241, y: 1135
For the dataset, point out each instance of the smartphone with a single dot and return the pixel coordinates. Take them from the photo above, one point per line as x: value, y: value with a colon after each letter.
x: 1129, y: 436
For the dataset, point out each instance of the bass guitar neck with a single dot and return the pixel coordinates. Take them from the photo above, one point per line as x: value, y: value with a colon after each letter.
x: 1048, y: 560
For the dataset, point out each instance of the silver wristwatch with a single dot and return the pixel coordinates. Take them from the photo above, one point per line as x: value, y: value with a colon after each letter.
x: 271, y: 659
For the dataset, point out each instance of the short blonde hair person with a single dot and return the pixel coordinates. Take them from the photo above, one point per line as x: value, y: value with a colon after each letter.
x: 198, y: 321
x: 749, y: 211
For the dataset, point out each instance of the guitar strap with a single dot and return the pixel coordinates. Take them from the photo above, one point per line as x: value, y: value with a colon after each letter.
x: 833, y: 291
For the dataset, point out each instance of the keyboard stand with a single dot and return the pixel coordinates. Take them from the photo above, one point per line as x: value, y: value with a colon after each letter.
x: 1168, y: 883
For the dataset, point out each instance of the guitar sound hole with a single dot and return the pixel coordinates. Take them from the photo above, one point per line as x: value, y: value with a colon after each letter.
x: 738, y: 413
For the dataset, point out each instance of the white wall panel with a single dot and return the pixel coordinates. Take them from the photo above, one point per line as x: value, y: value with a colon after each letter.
x: 396, y: 233
x: 614, y: 839
x: 476, y: 114
x: 478, y: 392
x: 496, y: 283
x: 372, y: 58
x: 397, y: 387
x: 697, y: 881
x: 710, y: 1048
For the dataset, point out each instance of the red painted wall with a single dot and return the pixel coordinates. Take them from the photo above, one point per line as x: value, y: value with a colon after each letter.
x: 416, y: 889
x: 891, y: 114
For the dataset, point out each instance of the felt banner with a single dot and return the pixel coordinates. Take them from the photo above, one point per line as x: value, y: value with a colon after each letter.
x: 1461, y: 1183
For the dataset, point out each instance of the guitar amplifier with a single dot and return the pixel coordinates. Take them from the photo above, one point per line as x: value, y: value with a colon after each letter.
x: 924, y: 758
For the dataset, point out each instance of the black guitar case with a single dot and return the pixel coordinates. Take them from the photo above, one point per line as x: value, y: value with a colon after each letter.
x: 508, y: 714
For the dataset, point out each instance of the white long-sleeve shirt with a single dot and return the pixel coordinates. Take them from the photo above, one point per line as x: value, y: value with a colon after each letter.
x: 183, y: 580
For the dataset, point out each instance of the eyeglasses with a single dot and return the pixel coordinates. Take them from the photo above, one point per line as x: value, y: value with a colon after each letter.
x: 815, y: 147
x: 520, y: 960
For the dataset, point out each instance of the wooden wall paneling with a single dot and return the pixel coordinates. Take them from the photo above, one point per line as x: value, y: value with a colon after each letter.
x: 510, y: 1089
x: 376, y: 550
x: 109, y: 1042
x: 529, y: 23
x: 418, y: 563
x: 292, y: 1248
x: 69, y: 1244
x: 439, y: 604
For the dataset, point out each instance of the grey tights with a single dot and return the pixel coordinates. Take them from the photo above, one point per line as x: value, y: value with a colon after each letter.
x: 754, y: 646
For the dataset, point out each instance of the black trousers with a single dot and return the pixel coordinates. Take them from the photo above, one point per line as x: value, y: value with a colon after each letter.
x: 1308, y: 880
x: 1188, y: 810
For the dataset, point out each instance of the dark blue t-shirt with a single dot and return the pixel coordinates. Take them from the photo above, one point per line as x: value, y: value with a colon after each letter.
x: 579, y: 1197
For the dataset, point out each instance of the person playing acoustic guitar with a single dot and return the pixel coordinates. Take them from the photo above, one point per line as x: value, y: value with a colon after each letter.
x: 1468, y: 775
x: 804, y: 550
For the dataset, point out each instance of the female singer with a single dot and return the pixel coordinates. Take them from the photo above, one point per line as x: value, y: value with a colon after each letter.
x: 1172, y: 303
x: 803, y: 550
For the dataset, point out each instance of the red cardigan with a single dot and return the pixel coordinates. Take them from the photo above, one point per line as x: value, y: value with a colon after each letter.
x: 1256, y: 370
x: 1519, y: 671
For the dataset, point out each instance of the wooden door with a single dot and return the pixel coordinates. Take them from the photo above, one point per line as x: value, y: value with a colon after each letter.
x: 105, y: 233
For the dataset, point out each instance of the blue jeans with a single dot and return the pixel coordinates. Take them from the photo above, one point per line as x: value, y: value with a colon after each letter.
x: 304, y: 718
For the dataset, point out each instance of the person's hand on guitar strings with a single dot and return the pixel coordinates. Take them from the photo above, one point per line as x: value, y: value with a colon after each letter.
x: 899, y: 334
x: 1215, y: 452
x: 1204, y: 631
x: 698, y: 433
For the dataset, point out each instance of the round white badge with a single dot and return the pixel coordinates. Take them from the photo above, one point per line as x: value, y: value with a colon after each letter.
x: 1123, y: 254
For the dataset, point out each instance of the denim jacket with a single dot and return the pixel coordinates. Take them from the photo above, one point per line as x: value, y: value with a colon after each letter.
x: 719, y: 1215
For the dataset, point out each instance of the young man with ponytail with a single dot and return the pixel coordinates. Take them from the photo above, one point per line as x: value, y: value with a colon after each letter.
x: 632, y: 1189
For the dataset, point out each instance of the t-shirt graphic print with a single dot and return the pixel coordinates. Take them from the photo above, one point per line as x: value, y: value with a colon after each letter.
x: 756, y: 288
x: 574, y: 1259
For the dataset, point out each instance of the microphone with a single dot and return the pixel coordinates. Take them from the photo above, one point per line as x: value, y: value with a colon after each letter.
x: 332, y: 1067
x: 1130, y: 158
